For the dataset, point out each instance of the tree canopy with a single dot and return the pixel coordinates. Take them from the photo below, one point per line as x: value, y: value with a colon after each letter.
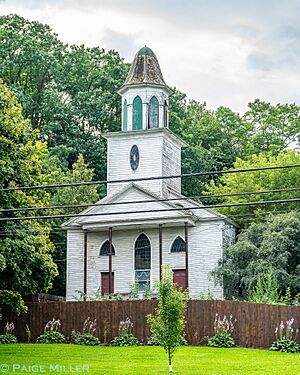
x: 259, y: 181
x: 25, y: 248
x: 273, y: 245
x: 68, y: 93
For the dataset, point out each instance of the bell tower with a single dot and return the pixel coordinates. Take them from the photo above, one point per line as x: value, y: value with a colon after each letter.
x: 145, y: 96
x: 145, y: 147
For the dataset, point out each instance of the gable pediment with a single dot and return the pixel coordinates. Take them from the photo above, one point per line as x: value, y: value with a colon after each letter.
x: 128, y: 205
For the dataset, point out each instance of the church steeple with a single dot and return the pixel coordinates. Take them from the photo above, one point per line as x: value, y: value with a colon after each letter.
x: 145, y: 95
x: 146, y: 146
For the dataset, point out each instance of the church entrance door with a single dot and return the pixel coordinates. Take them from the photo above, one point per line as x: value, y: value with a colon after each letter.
x: 179, y: 278
x: 105, y: 283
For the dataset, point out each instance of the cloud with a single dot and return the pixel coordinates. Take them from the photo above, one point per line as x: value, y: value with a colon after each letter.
x: 258, y: 60
x: 123, y: 43
x: 225, y: 52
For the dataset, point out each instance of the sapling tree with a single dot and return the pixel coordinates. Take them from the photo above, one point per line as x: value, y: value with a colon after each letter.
x: 168, y: 322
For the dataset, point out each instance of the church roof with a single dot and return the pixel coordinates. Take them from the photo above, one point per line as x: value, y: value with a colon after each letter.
x: 170, y: 213
x: 145, y: 69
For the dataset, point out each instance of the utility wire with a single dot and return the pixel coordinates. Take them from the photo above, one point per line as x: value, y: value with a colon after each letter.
x: 148, y: 200
x: 198, y: 174
x: 8, y: 233
x: 295, y: 200
x: 263, y: 213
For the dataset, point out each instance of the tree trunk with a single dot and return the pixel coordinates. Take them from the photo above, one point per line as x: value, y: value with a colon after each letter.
x: 170, y: 361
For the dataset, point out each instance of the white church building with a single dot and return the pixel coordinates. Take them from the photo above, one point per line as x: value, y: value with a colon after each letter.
x: 146, y: 223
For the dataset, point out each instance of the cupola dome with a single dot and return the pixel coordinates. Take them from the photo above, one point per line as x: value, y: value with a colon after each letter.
x: 145, y: 69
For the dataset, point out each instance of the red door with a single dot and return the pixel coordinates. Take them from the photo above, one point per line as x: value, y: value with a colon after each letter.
x: 105, y: 283
x: 179, y: 278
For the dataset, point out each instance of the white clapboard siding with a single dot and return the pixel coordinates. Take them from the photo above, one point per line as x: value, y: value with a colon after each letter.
x: 205, y: 250
x: 74, y: 279
x: 160, y: 154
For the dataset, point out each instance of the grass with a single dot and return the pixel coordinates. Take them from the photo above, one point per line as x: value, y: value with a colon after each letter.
x: 144, y: 360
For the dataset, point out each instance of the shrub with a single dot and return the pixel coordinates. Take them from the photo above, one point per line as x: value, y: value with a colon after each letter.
x: 222, y: 340
x: 87, y: 336
x: 285, y: 338
x: 87, y: 339
x: 8, y: 337
x: 266, y: 289
x: 51, y: 337
x: 97, y: 296
x: 134, y: 290
x: 288, y: 346
x: 73, y: 336
x: 223, y: 329
x: 125, y: 336
x: 12, y: 299
x: 126, y: 340
x: 205, y: 297
x: 51, y: 333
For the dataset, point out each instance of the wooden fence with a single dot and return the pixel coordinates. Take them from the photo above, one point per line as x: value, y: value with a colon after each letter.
x: 254, y: 327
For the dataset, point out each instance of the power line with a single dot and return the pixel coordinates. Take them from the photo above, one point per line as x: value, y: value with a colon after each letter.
x: 197, y: 174
x: 151, y: 211
x: 263, y: 213
x: 7, y: 233
x: 149, y: 200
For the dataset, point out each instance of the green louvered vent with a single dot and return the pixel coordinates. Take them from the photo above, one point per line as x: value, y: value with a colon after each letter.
x: 137, y: 114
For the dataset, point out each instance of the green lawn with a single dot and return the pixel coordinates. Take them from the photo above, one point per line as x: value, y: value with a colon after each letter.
x: 143, y: 360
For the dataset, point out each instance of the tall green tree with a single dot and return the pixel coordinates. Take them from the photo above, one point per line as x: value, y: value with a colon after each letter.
x: 31, y: 58
x: 69, y: 93
x: 271, y: 245
x: 259, y: 181
x: 216, y: 139
x: 274, y: 128
x: 25, y: 247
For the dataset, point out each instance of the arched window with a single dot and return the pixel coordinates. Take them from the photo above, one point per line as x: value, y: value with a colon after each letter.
x: 165, y: 114
x: 104, y: 250
x: 142, y: 251
x: 125, y: 115
x: 178, y: 245
x: 153, y: 114
x: 137, y: 113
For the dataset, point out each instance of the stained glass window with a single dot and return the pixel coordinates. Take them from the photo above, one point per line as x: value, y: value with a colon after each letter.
x: 142, y: 253
x: 142, y: 260
x: 143, y: 278
x: 178, y: 245
x: 105, y: 248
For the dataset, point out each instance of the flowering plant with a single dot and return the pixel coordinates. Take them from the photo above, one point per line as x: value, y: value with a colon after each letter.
x: 8, y: 337
x: 285, y: 338
x: 87, y: 336
x: 52, y: 325
x: 223, y: 329
x: 51, y: 333
x: 89, y: 326
x: 125, y: 336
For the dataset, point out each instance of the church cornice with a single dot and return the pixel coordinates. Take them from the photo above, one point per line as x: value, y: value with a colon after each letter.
x: 145, y: 133
x: 126, y: 87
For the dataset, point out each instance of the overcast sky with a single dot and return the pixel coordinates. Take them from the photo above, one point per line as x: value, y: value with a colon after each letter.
x: 224, y: 52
